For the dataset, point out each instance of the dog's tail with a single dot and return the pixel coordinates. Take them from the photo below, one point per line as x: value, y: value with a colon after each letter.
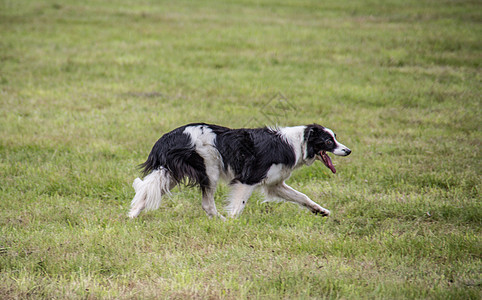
x: 150, y: 190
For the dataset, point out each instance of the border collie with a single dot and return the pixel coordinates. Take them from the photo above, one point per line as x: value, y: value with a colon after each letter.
x: 202, y: 154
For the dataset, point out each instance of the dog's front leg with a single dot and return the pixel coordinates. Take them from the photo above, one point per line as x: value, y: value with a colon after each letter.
x: 240, y: 194
x: 288, y: 193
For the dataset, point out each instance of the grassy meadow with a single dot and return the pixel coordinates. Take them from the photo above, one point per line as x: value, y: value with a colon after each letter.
x: 87, y: 87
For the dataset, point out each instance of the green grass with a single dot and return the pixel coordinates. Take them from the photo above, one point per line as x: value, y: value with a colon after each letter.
x: 87, y: 87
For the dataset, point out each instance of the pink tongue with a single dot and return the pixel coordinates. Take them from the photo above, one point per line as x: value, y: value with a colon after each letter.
x: 327, y: 161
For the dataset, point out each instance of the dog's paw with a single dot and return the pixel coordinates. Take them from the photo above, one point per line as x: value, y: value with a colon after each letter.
x: 133, y: 214
x: 320, y: 210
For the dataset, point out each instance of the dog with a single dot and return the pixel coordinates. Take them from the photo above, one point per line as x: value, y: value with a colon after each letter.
x: 202, y: 154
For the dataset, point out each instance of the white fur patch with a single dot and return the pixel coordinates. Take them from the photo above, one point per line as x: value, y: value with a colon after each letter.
x: 200, y: 135
x: 295, y: 136
x: 277, y: 173
x: 329, y: 131
x: 202, y: 138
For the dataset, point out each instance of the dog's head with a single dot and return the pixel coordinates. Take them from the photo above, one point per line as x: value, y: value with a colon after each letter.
x: 320, y: 140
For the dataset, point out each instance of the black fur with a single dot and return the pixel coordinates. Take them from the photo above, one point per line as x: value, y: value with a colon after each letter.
x: 174, y: 152
x: 251, y: 152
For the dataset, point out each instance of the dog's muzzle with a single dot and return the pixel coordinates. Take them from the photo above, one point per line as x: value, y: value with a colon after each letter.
x: 341, y: 150
x: 347, y: 151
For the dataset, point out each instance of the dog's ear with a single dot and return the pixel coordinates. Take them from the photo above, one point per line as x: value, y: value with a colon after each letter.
x: 310, y: 151
x: 308, y: 134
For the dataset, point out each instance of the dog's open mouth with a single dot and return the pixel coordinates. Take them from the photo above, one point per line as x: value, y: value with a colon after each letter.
x: 327, y: 161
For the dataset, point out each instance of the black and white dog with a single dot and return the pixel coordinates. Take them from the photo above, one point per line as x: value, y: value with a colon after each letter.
x: 246, y: 158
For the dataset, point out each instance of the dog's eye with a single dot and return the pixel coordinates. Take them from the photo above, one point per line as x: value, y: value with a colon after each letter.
x: 329, y: 143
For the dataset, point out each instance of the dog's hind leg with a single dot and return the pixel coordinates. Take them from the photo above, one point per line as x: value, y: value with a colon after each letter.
x: 286, y: 192
x: 150, y: 191
x: 208, y: 203
x: 238, y: 198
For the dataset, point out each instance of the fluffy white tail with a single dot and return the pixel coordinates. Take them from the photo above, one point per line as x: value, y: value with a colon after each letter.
x: 150, y: 190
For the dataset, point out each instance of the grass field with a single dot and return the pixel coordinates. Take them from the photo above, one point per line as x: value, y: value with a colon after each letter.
x: 87, y: 87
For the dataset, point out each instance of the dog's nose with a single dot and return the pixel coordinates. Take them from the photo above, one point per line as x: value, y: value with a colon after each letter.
x: 347, y: 151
